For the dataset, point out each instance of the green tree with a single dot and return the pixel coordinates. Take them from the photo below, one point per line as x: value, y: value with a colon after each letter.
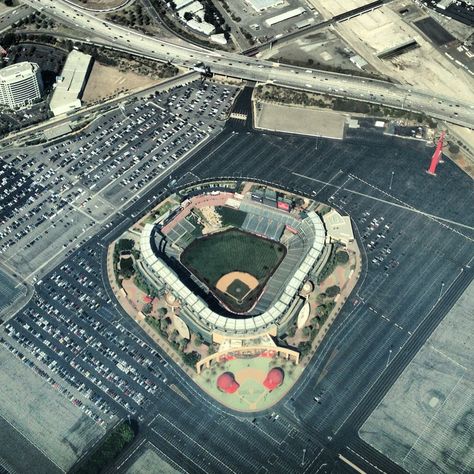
x: 191, y: 358
x: 125, y: 245
x: 292, y: 330
x: 147, y: 307
x: 304, y: 348
x: 342, y: 257
x: 453, y: 148
x: 113, y: 444
x: 198, y: 340
x: 332, y: 291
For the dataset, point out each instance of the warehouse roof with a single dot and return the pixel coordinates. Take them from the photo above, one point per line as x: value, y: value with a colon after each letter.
x: 68, y: 88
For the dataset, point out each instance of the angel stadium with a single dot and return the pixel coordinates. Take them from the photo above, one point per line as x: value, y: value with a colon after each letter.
x: 234, y: 262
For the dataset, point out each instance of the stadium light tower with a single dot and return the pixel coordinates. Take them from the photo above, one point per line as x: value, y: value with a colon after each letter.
x: 437, y: 155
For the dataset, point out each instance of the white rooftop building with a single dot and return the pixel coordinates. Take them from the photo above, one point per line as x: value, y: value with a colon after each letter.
x: 193, y: 8
x: 338, y: 227
x: 202, y: 27
x: 262, y: 5
x: 69, y: 86
x: 219, y: 39
x: 20, y: 84
x: 285, y: 16
x: 182, y: 3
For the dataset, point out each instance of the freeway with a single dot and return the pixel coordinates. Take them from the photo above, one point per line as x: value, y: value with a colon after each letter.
x: 11, y: 16
x: 387, y: 94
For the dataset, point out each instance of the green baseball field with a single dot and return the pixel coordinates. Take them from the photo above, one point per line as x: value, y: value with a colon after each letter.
x: 233, y: 250
x: 215, y: 255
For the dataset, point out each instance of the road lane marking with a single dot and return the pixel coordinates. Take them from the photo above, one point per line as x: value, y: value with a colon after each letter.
x: 356, y: 468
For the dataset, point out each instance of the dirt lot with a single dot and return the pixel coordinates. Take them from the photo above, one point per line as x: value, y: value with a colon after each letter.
x: 151, y: 463
x: 106, y: 81
x: 425, y: 422
x: 424, y: 67
x: 321, y: 49
x: 300, y: 120
x: 330, y: 8
x: 44, y: 417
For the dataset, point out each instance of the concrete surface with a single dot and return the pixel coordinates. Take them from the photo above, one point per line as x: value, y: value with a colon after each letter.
x: 300, y: 120
x: 41, y: 418
x: 425, y: 422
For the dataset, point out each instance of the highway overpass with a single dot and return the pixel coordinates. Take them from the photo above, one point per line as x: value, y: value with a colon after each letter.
x: 449, y: 109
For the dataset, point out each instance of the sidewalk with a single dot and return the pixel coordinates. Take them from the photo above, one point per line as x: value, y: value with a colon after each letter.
x: 350, y: 284
x: 133, y: 313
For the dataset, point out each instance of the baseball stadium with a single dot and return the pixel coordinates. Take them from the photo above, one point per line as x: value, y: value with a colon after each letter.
x: 234, y: 266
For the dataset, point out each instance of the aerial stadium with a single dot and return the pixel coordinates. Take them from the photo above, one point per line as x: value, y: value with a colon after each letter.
x: 234, y: 265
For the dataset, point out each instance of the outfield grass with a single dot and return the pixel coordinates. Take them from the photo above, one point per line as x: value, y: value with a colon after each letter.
x: 215, y: 255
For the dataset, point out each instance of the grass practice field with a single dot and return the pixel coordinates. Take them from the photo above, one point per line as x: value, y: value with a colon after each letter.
x: 231, y: 217
x: 216, y: 255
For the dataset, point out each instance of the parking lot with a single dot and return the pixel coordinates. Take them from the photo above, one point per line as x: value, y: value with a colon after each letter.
x: 416, y: 233
x: 72, y: 336
x: 68, y: 336
x: 54, y: 197
x: 42, y: 414
x: 424, y: 423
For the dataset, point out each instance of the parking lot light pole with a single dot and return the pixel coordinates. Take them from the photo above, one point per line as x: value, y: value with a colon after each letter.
x: 302, y: 460
x: 441, y: 290
x: 388, y: 359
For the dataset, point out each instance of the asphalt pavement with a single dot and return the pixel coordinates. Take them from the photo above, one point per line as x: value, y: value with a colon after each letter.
x: 416, y: 235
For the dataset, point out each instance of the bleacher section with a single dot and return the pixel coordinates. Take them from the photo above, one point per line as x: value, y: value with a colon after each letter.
x: 263, y: 226
x: 297, y: 246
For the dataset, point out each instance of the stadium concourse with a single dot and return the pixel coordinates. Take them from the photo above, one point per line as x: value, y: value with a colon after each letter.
x: 250, y: 232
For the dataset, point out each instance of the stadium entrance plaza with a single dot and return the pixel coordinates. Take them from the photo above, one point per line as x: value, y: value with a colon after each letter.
x: 298, y: 278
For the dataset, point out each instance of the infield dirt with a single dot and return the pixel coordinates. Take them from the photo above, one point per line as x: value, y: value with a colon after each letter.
x: 224, y: 282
